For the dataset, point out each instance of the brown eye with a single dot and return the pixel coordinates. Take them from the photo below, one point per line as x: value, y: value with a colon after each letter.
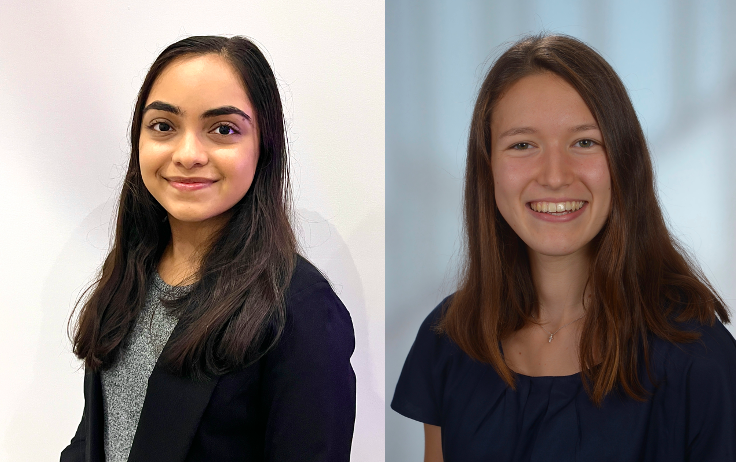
x: 520, y: 146
x: 161, y: 127
x: 225, y: 129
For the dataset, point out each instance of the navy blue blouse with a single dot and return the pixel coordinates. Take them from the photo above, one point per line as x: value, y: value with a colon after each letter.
x: 690, y: 415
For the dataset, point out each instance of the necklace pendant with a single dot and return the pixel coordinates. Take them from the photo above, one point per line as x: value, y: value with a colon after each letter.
x: 550, y: 338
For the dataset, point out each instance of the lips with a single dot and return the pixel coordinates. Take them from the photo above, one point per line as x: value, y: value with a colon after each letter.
x: 189, y: 183
x: 556, y: 206
x: 547, y: 210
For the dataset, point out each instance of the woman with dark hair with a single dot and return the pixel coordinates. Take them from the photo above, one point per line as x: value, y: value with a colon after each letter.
x: 207, y: 337
x: 580, y: 329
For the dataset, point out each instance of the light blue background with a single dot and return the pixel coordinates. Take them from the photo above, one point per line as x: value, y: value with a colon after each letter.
x: 678, y: 62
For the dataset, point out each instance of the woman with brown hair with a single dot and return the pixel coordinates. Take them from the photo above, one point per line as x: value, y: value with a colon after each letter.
x: 580, y: 329
x: 207, y: 336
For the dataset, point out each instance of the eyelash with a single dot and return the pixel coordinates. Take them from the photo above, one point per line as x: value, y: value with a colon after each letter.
x: 592, y: 143
x: 159, y: 122
x: 234, y: 130
x: 231, y: 127
x: 518, y: 147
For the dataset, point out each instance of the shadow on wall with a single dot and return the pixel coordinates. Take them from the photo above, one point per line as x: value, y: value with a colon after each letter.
x: 46, y: 415
x: 322, y: 245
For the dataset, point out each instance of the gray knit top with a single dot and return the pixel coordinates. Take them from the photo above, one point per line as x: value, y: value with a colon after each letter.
x: 124, y: 384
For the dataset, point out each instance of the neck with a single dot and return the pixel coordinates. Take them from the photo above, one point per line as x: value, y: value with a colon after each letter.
x: 189, y: 241
x: 560, y: 285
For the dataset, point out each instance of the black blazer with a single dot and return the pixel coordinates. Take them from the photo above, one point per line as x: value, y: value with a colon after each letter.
x: 297, y: 403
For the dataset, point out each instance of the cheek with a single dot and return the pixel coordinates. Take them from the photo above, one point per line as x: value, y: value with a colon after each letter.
x: 597, y: 177
x: 508, y: 184
x: 152, y: 159
x: 147, y: 167
x: 242, y: 167
x: 148, y: 159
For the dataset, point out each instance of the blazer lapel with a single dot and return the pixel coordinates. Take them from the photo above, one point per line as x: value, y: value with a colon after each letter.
x: 171, y: 412
x: 94, y: 448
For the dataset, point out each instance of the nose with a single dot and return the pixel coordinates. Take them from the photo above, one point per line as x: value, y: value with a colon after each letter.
x: 190, y: 153
x: 556, y: 167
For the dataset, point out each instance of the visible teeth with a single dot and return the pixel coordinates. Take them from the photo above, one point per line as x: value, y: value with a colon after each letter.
x: 556, y: 207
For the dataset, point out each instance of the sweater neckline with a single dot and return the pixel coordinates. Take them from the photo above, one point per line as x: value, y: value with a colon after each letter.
x: 161, y: 285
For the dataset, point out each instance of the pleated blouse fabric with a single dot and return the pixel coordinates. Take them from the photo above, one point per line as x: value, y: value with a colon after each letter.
x: 689, y: 416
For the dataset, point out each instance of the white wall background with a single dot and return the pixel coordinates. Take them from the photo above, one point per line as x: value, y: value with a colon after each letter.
x: 678, y: 61
x: 69, y: 74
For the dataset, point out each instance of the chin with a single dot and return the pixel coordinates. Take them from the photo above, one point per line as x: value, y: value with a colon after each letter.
x: 555, y: 253
x: 199, y: 216
x: 555, y: 249
x: 188, y: 216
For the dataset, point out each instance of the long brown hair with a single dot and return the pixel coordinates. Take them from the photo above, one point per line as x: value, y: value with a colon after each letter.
x: 234, y: 312
x: 641, y: 280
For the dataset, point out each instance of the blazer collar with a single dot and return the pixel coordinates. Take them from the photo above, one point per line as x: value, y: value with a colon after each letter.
x: 170, y: 416
x: 94, y: 447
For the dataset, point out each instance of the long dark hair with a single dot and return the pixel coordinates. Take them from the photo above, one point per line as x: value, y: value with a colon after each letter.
x: 641, y: 279
x: 234, y: 312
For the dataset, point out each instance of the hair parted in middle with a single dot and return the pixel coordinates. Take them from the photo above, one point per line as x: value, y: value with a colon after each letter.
x: 641, y: 279
x: 235, y: 310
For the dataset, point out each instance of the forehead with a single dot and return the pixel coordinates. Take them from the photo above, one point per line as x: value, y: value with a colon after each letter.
x: 540, y: 101
x: 200, y: 82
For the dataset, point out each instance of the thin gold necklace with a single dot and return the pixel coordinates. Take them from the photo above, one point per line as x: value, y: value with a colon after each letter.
x: 552, y: 334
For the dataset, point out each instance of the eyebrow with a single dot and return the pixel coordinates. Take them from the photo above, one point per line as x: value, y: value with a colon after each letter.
x: 161, y: 106
x: 219, y: 111
x: 517, y: 131
x: 530, y: 130
x: 225, y: 110
x: 584, y: 127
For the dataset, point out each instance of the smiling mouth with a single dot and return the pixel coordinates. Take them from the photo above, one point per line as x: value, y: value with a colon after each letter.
x: 185, y: 180
x: 190, y: 184
x: 556, y: 208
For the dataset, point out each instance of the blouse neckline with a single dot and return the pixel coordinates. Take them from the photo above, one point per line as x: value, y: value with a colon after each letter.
x: 540, y: 377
